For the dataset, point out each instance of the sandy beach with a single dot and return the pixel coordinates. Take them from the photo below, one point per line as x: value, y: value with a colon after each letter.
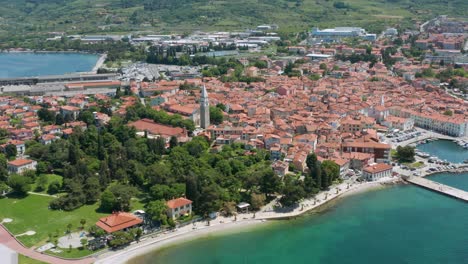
x: 222, y: 225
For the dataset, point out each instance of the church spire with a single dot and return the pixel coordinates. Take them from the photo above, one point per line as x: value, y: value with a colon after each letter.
x: 204, y: 109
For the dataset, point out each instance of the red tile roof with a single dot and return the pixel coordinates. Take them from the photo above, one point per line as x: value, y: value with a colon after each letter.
x: 20, y: 162
x: 176, y: 203
x: 376, y: 168
x: 157, y: 129
x: 118, y: 221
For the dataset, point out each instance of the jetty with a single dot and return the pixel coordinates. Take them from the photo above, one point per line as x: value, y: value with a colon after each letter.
x: 438, y: 187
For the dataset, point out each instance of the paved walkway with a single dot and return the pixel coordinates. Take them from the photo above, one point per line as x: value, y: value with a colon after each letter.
x: 10, y: 242
x: 43, y: 194
x: 439, y: 187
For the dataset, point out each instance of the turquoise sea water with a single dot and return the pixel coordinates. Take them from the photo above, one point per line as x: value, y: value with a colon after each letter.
x: 36, y: 64
x: 446, y: 150
x: 400, y: 224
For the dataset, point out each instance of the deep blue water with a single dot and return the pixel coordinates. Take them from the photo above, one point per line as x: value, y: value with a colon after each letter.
x: 36, y: 64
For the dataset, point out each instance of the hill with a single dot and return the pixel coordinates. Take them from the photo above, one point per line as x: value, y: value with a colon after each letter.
x: 91, y: 16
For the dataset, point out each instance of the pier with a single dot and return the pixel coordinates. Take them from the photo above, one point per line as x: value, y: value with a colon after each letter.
x: 438, y: 187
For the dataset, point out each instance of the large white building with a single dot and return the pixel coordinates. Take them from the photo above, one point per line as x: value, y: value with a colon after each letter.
x: 339, y: 33
x: 377, y: 171
x: 455, y: 126
x: 18, y: 166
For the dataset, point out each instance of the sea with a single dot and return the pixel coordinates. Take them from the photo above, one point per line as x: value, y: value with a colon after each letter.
x: 398, y: 224
x: 29, y: 64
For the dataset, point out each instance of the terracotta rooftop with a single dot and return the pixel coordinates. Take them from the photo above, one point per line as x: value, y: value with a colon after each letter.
x: 118, y: 221
x: 20, y: 162
x: 157, y: 129
x: 176, y: 203
x: 378, y: 167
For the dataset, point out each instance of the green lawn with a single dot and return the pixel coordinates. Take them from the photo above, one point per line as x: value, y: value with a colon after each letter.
x: 27, y: 260
x: 32, y: 213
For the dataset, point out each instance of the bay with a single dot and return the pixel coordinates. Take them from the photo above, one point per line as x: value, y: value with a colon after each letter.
x: 400, y: 224
x: 28, y: 64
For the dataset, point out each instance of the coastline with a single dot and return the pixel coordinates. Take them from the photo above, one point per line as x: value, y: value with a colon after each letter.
x: 50, y: 51
x: 162, y: 241
x: 226, y: 225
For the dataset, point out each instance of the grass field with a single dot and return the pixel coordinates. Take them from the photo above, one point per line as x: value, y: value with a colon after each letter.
x: 32, y: 213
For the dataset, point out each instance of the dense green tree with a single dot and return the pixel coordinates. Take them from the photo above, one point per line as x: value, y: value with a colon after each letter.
x: 122, y: 194
x: 108, y: 201
x: 157, y: 211
x: 41, y: 183
x: 121, y: 238
x: 159, y: 173
x: 54, y: 187
x: 314, y: 179
x: 197, y: 146
x: 19, y: 184
x: 166, y: 192
x: 330, y: 172
x: 292, y: 191
x: 92, y: 189
x: 104, y: 174
x: 73, y: 154
x: 192, y: 188
x: 216, y: 115
x: 10, y: 151
x: 45, y: 115
x: 87, y: 117
x: 405, y: 154
x: 270, y: 183
x: 173, y: 142
x: 157, y: 145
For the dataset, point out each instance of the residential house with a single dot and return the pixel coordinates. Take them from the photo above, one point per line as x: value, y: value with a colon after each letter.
x: 18, y: 166
x: 178, y: 207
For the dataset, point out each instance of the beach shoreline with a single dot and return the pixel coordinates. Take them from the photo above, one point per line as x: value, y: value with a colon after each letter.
x: 226, y: 225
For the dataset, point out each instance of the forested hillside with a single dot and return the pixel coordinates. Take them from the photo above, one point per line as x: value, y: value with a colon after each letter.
x: 87, y: 16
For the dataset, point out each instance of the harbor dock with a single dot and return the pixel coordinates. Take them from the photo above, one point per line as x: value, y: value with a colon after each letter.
x: 438, y: 187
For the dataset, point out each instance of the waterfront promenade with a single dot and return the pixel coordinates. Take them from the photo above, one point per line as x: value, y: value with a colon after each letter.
x: 438, y: 187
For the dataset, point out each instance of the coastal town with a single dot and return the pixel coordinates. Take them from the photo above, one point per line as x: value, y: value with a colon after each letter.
x: 216, y: 130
